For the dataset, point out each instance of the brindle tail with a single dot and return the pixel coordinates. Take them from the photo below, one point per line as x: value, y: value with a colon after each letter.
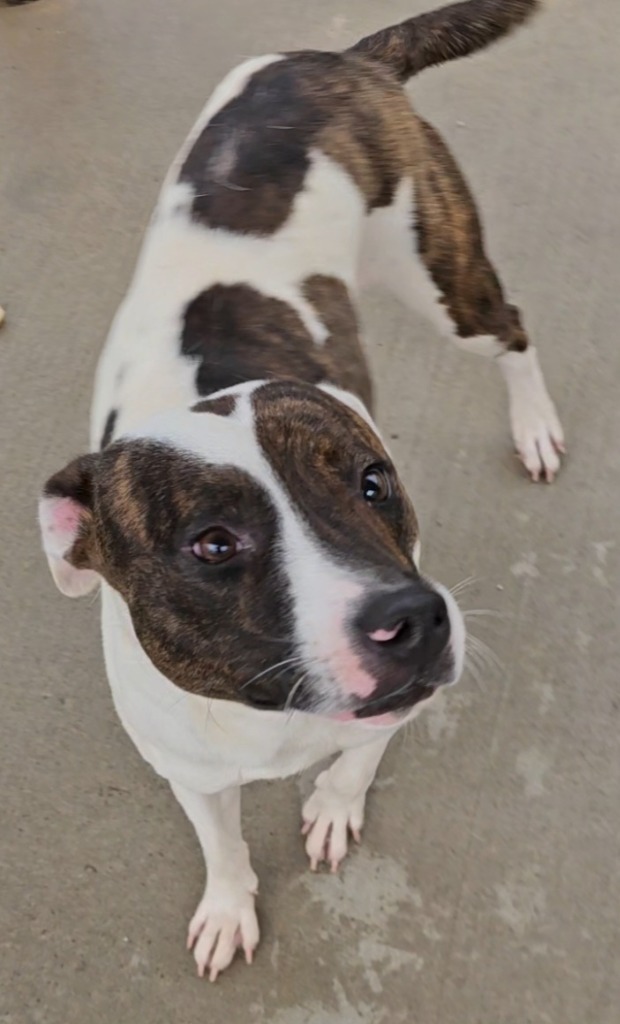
x: 439, y: 36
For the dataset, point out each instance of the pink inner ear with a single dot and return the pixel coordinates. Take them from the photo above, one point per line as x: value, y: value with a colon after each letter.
x: 60, y: 522
x: 64, y: 516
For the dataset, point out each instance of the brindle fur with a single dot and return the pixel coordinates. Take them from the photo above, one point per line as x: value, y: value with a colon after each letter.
x: 435, y: 37
x: 237, y: 334
x: 250, y: 162
x: 308, y: 437
x: 146, y: 504
x: 223, y: 406
x: 143, y: 502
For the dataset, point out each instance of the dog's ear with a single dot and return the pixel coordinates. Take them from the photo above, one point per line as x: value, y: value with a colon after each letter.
x: 67, y: 526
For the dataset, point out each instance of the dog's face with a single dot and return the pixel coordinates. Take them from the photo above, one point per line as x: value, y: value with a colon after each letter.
x: 265, y: 548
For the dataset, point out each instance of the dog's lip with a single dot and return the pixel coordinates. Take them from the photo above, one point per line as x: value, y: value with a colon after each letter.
x: 394, y: 703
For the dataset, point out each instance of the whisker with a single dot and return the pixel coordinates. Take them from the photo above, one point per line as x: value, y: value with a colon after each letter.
x: 272, y: 639
x: 479, y: 612
x: 211, y: 716
x: 480, y: 670
x: 291, y: 697
x: 472, y: 666
x: 458, y: 588
x: 478, y: 656
x: 177, y: 700
x: 485, y: 652
x: 271, y: 668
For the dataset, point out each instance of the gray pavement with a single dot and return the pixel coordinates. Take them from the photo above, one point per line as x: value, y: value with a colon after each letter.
x: 487, y: 890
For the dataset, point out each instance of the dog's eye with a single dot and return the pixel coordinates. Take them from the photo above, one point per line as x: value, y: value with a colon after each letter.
x: 215, y: 546
x: 376, y: 485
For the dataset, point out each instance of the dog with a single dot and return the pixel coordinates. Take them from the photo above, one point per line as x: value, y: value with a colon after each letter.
x: 262, y: 604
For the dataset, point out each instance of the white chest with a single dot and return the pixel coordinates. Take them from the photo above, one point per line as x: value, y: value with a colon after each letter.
x: 205, y: 744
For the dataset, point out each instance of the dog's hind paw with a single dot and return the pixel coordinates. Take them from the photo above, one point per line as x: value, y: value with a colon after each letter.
x: 536, y: 428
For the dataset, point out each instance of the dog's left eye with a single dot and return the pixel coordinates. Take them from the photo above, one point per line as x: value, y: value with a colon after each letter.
x: 376, y: 485
x: 215, y: 546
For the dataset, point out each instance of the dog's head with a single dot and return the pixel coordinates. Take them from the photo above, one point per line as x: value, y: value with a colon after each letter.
x: 264, y: 546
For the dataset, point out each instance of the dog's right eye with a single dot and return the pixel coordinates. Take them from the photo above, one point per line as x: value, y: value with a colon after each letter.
x: 215, y: 546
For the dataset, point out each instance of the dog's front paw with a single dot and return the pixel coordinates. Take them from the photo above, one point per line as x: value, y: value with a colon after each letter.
x: 536, y: 428
x: 328, y: 819
x: 225, y: 921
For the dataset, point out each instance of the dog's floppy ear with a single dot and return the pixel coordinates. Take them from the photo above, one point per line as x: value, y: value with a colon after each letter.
x: 67, y: 528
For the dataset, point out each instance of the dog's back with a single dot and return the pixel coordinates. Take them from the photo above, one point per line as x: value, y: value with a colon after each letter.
x: 250, y: 267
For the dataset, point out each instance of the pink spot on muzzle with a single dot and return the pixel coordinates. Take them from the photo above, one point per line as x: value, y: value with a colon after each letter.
x: 353, y: 678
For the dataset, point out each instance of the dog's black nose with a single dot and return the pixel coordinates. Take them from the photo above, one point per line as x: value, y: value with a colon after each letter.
x: 409, y: 623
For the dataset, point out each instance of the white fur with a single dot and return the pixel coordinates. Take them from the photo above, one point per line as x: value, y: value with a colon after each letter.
x: 536, y: 427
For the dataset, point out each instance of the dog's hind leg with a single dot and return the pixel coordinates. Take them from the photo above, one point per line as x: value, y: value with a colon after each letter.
x: 427, y: 249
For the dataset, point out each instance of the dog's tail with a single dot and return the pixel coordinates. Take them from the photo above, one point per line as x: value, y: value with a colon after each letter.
x: 443, y: 35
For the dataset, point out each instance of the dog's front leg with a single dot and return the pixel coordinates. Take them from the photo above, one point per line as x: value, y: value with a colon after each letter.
x: 337, y: 804
x: 225, y: 918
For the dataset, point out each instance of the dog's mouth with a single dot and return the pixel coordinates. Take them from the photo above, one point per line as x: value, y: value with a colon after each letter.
x: 395, y: 703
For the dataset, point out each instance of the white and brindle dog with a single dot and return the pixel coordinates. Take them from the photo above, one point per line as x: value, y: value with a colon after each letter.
x: 255, y: 548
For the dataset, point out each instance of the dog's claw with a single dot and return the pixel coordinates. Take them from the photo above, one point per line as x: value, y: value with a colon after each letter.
x: 224, y: 922
x: 329, y: 820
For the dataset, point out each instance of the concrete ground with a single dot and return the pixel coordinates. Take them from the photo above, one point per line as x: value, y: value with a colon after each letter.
x: 487, y: 890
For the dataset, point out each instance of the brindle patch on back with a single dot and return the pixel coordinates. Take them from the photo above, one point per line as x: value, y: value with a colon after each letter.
x: 319, y: 449
x: 250, y: 162
x: 224, y: 405
x: 238, y: 334
x: 345, y: 362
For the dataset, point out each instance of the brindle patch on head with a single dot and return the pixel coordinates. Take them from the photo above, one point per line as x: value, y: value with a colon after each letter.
x: 210, y: 629
x: 319, y: 449
x: 224, y: 405
x: 249, y: 163
x: 238, y: 334
x: 450, y: 243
